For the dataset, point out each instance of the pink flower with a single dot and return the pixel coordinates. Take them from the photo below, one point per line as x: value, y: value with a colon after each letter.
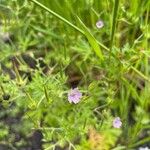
x: 99, y: 24
x: 74, y: 96
x: 117, y: 122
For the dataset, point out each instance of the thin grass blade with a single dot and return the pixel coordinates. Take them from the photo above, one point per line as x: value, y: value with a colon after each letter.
x: 57, y: 15
x: 115, y: 12
x: 64, y: 20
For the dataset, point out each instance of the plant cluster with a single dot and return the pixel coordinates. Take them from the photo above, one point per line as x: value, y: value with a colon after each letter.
x: 74, y: 75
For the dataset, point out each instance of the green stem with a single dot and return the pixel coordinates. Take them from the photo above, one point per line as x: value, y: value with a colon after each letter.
x: 146, y: 42
x: 140, y: 74
x: 2, y: 89
x: 64, y: 20
x: 115, y: 12
x: 46, y: 93
x: 57, y: 15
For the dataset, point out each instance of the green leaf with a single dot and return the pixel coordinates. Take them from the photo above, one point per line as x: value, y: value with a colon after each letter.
x: 92, y: 40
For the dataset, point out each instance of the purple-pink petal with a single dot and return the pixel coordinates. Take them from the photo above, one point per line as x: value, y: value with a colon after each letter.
x: 74, y: 96
x: 117, y: 122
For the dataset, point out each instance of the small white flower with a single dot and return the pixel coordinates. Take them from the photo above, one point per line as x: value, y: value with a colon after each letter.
x: 99, y: 24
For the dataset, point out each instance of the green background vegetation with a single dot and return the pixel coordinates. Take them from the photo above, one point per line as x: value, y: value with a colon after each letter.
x: 49, y: 46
